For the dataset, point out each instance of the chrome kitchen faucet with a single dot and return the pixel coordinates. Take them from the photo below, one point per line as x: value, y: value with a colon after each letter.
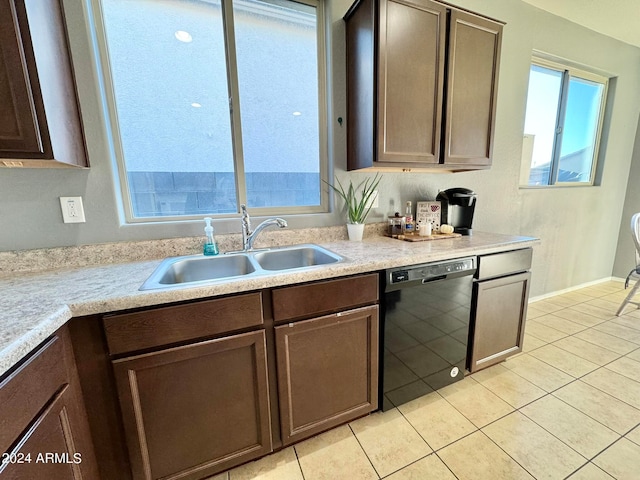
x: 248, y: 236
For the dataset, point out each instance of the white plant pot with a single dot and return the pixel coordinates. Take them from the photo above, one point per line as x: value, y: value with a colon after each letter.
x: 355, y: 231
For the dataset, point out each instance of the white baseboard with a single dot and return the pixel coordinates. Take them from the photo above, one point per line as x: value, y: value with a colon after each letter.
x: 574, y: 288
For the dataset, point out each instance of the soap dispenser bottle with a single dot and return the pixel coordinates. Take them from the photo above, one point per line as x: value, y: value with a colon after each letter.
x: 210, y: 246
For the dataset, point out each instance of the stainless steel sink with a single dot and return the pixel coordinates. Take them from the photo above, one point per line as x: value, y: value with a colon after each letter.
x: 201, y: 270
x: 295, y: 257
x: 198, y: 268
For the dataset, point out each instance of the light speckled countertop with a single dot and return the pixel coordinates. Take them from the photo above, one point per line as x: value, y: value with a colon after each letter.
x: 35, y: 305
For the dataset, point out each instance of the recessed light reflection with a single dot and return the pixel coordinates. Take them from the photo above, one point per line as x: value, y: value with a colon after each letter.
x: 196, y: 105
x: 297, y: 114
x: 183, y: 36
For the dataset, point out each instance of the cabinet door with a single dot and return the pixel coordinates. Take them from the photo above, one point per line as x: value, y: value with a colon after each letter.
x: 39, y: 113
x: 500, y: 311
x: 48, y: 449
x: 196, y: 410
x: 410, y: 81
x: 327, y: 371
x: 472, y: 81
x: 19, y: 130
x: 42, y: 412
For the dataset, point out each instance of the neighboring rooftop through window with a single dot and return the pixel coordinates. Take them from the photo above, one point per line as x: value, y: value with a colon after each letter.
x: 210, y: 111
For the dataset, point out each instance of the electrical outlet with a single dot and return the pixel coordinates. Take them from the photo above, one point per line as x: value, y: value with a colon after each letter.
x: 72, y: 210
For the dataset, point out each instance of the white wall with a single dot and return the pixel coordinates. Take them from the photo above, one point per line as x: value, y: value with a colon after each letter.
x: 625, y: 254
x: 578, y: 226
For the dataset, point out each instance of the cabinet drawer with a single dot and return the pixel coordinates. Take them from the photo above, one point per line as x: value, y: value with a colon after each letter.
x: 163, y: 326
x: 324, y: 297
x: 29, y: 388
x: 505, y: 263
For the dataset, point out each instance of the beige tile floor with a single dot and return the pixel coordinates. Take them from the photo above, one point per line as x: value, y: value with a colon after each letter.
x: 567, y: 407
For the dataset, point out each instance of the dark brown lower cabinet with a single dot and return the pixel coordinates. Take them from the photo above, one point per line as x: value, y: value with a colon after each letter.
x: 43, y: 426
x: 187, y: 391
x: 327, y: 371
x: 195, y: 410
x: 500, y: 307
x: 48, y: 449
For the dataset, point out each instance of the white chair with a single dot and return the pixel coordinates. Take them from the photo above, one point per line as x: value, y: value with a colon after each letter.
x: 635, y: 273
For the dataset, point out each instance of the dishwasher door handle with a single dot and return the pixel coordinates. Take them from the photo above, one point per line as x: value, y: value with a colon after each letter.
x: 433, y: 279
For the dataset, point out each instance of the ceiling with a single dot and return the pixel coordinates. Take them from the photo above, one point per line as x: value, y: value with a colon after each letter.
x: 619, y: 19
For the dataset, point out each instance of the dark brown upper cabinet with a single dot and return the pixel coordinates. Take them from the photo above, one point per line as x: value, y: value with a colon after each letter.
x: 39, y: 114
x: 421, y: 86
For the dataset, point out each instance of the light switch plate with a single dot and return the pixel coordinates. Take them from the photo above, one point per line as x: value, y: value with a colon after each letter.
x: 72, y: 210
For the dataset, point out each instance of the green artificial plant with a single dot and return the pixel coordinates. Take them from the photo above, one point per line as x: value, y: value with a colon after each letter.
x: 357, y: 206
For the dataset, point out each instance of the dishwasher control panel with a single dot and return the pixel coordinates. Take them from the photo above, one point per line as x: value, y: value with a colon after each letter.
x: 429, y: 271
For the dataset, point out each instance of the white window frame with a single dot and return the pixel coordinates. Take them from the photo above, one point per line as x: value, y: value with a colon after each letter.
x: 107, y: 86
x: 568, y: 70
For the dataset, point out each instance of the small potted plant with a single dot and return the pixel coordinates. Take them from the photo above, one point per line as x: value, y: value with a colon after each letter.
x: 357, y: 202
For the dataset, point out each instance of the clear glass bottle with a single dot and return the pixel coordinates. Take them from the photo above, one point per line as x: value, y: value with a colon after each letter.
x: 408, y: 213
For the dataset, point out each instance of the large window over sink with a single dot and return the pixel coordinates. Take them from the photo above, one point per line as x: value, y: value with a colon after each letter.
x: 215, y: 103
x: 563, y: 124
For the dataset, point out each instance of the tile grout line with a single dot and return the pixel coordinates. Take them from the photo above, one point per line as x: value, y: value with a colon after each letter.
x: 563, y: 442
x: 595, y: 419
x: 433, y: 450
x: 505, y: 452
x: 363, y: 449
x: 573, y: 336
x: 619, y: 399
x: 445, y: 463
x: 298, y: 460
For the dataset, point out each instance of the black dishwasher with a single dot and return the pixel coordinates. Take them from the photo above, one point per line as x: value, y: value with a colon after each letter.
x: 425, y: 328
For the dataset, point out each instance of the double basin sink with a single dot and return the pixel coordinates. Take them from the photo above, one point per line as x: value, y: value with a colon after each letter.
x: 202, y: 270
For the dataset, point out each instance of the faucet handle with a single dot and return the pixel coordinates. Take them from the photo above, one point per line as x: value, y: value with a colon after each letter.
x: 246, y: 219
x: 246, y: 226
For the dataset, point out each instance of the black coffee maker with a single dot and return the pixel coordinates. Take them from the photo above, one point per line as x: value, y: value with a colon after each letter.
x: 458, y: 205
